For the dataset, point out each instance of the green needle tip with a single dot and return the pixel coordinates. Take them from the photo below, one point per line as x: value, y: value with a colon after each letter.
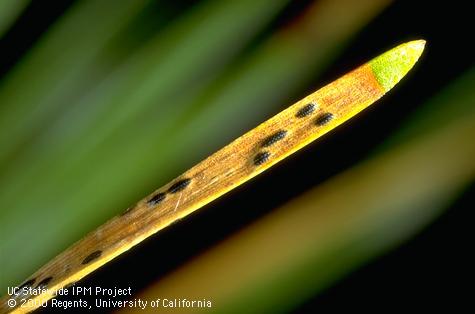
x: 390, y: 67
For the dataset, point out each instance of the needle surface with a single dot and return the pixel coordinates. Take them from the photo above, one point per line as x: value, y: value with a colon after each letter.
x: 236, y: 163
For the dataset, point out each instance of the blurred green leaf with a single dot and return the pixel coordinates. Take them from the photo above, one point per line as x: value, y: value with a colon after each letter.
x: 189, y: 53
x: 9, y: 11
x: 58, y: 68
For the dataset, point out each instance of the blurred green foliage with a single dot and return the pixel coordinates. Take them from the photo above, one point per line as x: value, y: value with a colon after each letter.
x: 179, y: 86
x: 9, y: 11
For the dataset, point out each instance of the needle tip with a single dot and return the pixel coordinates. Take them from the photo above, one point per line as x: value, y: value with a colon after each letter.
x: 390, y: 67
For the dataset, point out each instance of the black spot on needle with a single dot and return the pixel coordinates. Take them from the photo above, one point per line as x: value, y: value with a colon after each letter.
x: 306, y: 110
x: 157, y: 198
x: 274, y: 138
x: 179, y: 186
x: 324, y: 118
x: 261, y: 158
x: 91, y: 257
x: 44, y: 283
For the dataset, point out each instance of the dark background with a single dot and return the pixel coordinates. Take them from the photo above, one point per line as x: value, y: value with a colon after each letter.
x: 428, y: 272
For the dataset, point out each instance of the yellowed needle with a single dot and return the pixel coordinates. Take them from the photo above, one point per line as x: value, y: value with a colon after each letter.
x: 231, y: 166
